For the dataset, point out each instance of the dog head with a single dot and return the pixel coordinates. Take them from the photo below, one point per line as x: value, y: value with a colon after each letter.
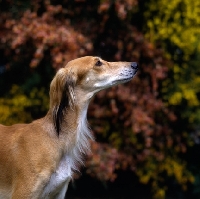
x: 85, y: 76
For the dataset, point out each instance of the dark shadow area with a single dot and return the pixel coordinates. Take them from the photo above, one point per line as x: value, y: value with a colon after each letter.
x: 124, y: 187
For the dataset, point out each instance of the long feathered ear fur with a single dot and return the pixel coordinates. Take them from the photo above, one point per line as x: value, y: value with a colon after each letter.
x: 62, y: 96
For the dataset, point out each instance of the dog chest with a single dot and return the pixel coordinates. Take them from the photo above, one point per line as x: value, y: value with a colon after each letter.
x: 59, y: 178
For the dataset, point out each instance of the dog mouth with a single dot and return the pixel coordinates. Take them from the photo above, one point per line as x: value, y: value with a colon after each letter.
x: 126, y: 76
x: 125, y: 79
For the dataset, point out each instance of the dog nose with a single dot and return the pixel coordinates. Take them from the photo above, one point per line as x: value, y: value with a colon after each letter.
x: 134, y: 65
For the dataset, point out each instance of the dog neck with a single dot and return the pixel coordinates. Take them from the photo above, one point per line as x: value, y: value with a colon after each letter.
x: 75, y: 135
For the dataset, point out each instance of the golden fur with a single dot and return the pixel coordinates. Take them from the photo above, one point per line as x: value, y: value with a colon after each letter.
x: 37, y: 160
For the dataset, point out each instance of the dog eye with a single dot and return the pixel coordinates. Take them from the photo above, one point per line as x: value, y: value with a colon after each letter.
x: 98, y: 63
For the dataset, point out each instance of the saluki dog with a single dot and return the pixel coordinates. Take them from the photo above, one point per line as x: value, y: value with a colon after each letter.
x: 37, y: 160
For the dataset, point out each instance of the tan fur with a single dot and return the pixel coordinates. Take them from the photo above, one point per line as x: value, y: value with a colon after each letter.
x: 38, y: 159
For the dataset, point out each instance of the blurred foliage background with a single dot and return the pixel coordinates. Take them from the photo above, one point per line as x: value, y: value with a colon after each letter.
x: 147, y: 131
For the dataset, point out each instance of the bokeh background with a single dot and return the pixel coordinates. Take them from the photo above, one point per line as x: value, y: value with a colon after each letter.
x: 148, y: 130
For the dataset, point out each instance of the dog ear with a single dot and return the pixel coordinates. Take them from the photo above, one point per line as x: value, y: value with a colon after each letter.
x: 62, y: 96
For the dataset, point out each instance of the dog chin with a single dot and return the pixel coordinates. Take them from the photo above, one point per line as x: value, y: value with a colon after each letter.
x: 124, y: 80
